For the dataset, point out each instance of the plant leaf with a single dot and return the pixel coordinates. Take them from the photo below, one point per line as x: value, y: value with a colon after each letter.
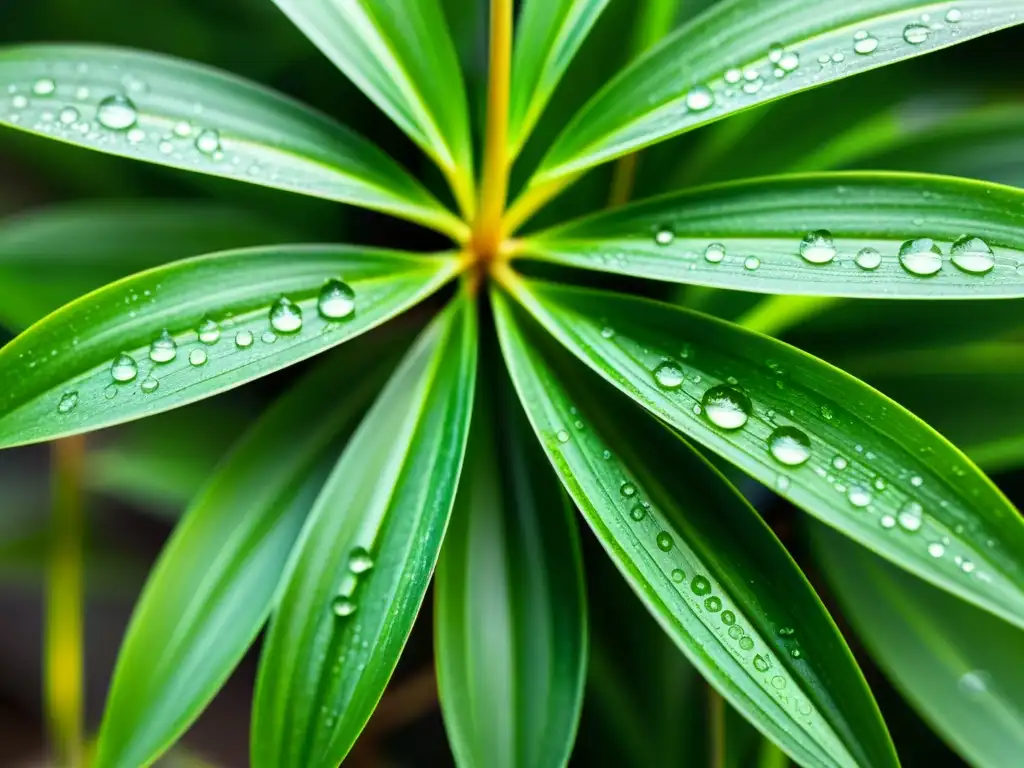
x: 709, y: 570
x: 401, y: 55
x: 958, y: 666
x: 53, y: 255
x: 199, y: 119
x: 510, y: 621
x: 747, y: 52
x: 846, y: 453
x: 363, y: 562
x: 57, y: 378
x: 549, y: 33
x: 192, y: 624
x: 760, y: 227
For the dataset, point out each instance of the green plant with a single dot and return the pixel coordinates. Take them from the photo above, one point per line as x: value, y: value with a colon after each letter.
x: 339, y: 552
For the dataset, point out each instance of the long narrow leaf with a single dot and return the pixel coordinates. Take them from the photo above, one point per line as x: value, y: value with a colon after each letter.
x: 197, y: 327
x: 959, y: 666
x: 709, y: 570
x: 746, y: 52
x: 193, y: 624
x: 871, y: 235
x: 364, y: 560
x: 510, y: 618
x: 171, y: 112
x: 837, y: 448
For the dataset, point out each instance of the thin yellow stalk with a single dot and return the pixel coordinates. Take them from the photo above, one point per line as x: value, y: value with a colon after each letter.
x: 716, y: 729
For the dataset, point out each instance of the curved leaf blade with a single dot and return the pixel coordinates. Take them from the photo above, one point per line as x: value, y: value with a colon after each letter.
x: 959, y: 666
x: 192, y: 625
x: 905, y: 492
x: 364, y: 560
x: 401, y: 55
x: 549, y: 33
x: 742, y: 53
x: 510, y: 614
x: 57, y: 378
x: 53, y: 255
x: 199, y: 119
x: 748, y: 236
x: 709, y: 570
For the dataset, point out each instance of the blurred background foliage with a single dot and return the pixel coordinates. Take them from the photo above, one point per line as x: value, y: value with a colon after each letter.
x: 957, y: 365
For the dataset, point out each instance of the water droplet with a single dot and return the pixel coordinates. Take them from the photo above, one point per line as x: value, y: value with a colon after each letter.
x: 268, y: 337
x: 68, y: 402
x: 713, y: 604
x: 726, y: 407
x: 888, y: 521
x: 664, y: 236
x: 858, y: 496
x: 754, y: 82
x: 117, y: 113
x: 562, y: 436
x: 974, y: 683
x: 197, y: 357
x: 700, y: 586
x: 124, y: 368
x: 967, y: 566
x: 678, y: 576
x: 628, y: 490
x: 915, y: 34
x: 761, y: 664
x: 789, y: 61
x: 44, y: 86
x: 669, y: 375
x: 136, y: 136
x: 954, y: 16
x: 183, y: 129
x: 789, y: 446
x: 752, y: 263
x: 910, y: 516
x: 343, y: 606
x: 714, y: 253
x: 208, y: 142
x: 840, y: 463
x: 782, y: 483
x: 795, y: 653
x: 337, y: 300
x: 733, y: 76
x: 921, y: 257
x: 359, y: 560
x: 818, y: 247
x: 638, y: 512
x: 868, y: 258
x: 150, y: 385
x: 665, y: 542
x: 19, y: 102
x: 243, y: 339
x: 164, y: 349
x: 775, y: 53
x: 607, y: 333
x: 916, y: 481
x: 864, y: 43
x: 110, y: 392
x: 936, y: 549
x: 746, y: 643
x: 68, y: 115
x: 209, y: 331
x: 700, y: 98
x: 285, y: 316
x: 973, y: 255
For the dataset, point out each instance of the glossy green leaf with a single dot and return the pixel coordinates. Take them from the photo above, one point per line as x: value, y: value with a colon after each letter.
x: 549, y: 33
x: 194, y: 622
x: 959, y: 666
x: 510, y: 621
x: 707, y: 567
x: 401, y: 55
x: 747, y: 52
x: 832, y: 445
x: 751, y: 236
x: 364, y: 560
x: 59, y: 377
x: 166, y: 111
x: 50, y: 256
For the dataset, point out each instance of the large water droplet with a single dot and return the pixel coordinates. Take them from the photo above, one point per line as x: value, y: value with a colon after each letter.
x: 751, y: 263
x: 915, y: 34
x: 628, y: 490
x: 209, y: 331
x: 761, y: 664
x: 337, y: 300
x: 124, y: 368
x: 911, y: 516
x: 714, y: 253
x: 343, y: 606
x: 790, y: 446
x: 562, y: 436
x: 150, y: 385
x: 669, y: 375
x: 286, y: 316
x: 243, y: 339
x: 746, y: 643
x: 728, y: 618
x: 700, y: 98
x: 954, y: 16
x: 664, y: 236
x: 359, y: 560
x: 789, y: 61
x: 198, y: 357
x: 638, y: 512
x: 972, y: 255
x: 713, y: 604
x: 700, y: 586
x: 44, y: 86
x: 888, y: 521
x: 208, y: 142
x: 68, y: 402
x: 859, y: 497
x: 163, y: 349
x: 726, y: 407
x: 864, y: 43
x: 936, y: 549
x: 921, y: 257
x: 117, y: 113
x: 68, y: 115
x: 665, y: 542
x: 868, y: 258
x: 817, y: 247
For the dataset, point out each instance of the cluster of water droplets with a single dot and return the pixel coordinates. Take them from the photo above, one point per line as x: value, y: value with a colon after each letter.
x: 359, y: 563
x: 336, y: 302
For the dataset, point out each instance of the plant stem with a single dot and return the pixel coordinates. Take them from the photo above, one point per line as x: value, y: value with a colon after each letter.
x: 494, y: 190
x: 716, y: 729
x: 64, y: 636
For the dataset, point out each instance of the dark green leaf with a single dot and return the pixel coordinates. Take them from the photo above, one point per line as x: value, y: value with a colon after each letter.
x: 363, y: 562
x: 835, y: 447
x: 59, y: 377
x: 709, y: 570
x: 510, y: 617
x: 959, y: 666
x: 751, y: 236
x: 214, y: 584
x: 171, y: 112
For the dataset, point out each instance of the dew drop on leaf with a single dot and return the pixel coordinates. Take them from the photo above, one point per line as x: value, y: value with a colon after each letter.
x: 840, y: 463
x: 285, y: 316
x: 936, y: 549
x: 209, y: 331
x: 746, y: 643
x: 343, y: 606
x: 638, y: 512
x: 972, y: 255
x: 208, y: 142
x: 789, y: 446
x: 628, y: 490
x: 714, y: 253
x: 915, y: 34
x: 664, y: 236
x: 668, y: 375
x: 268, y: 337
x: 243, y: 339
x: 44, y: 86
x: 150, y: 385
x: 726, y: 407
x: 888, y: 521
x: 728, y: 618
x: 864, y: 43
x: 68, y: 115
x: 761, y: 664
x: 700, y: 586
x: 910, y: 516
x: 974, y: 683
x: 197, y: 357
x: 700, y: 98
x: 124, y: 369
x: 665, y: 542
x: 68, y: 402
x: 921, y: 257
x: 117, y: 113
x: 163, y: 349
x: 868, y: 258
x: 858, y: 497
x: 751, y: 263
x: 562, y: 436
x: 359, y: 560
x: 336, y: 301
x: 678, y: 576
x: 818, y: 247
x: 954, y: 16
x: 713, y: 604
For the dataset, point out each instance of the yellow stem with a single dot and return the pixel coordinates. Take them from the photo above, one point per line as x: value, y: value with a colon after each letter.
x: 716, y: 729
x: 494, y: 190
x: 64, y: 636
x: 532, y: 200
x: 623, y: 180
